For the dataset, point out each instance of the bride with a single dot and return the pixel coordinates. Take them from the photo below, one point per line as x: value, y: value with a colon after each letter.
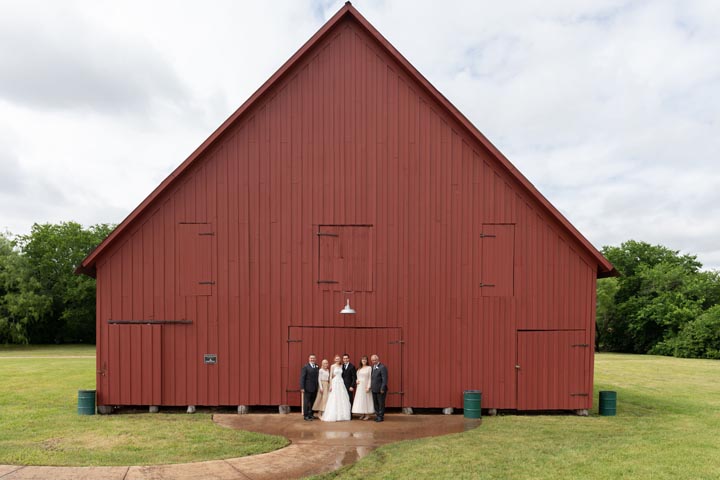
x: 338, y: 402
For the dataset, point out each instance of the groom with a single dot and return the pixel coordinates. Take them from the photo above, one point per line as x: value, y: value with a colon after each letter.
x: 349, y: 376
x: 378, y: 385
x: 309, y: 386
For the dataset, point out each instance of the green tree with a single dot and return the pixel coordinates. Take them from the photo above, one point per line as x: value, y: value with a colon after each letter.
x: 660, y: 291
x: 52, y: 251
x: 699, y: 338
x: 20, y: 304
x: 607, y: 289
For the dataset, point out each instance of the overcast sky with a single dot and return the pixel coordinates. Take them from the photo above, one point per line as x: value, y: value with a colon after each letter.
x: 611, y: 108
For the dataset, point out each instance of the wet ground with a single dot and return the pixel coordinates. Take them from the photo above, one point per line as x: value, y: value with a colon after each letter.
x: 344, y: 443
x: 316, y: 447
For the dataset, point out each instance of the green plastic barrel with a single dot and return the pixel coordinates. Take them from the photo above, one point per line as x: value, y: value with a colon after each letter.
x: 86, y: 402
x: 608, y: 403
x: 472, y: 399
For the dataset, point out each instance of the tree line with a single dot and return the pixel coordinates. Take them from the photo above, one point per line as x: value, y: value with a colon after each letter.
x: 663, y: 302
x: 41, y: 300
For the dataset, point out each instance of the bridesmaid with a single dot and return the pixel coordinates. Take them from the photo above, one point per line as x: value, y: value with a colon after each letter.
x: 323, y: 387
x: 363, y: 403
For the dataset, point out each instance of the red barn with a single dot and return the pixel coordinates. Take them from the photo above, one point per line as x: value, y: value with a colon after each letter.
x: 347, y: 175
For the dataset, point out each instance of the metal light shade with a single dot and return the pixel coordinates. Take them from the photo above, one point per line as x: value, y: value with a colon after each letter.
x: 347, y: 308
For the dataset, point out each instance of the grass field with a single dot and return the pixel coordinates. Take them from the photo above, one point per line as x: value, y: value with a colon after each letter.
x: 667, y: 427
x: 39, y: 424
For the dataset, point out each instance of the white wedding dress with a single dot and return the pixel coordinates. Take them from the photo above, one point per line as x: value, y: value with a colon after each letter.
x: 337, y: 408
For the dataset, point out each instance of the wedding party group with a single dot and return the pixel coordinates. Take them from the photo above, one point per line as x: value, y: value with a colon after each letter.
x: 337, y: 392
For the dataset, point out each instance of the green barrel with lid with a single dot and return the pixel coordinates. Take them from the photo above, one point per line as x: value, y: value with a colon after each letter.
x: 472, y: 400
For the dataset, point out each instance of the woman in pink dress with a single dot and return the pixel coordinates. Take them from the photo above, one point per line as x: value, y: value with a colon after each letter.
x: 363, y: 403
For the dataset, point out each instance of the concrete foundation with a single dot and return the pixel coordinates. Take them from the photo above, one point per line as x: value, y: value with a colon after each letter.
x: 284, y: 409
x: 448, y: 411
x: 104, y: 409
x: 191, y: 409
x: 407, y: 410
x: 492, y: 412
x: 583, y: 412
x: 154, y: 409
x: 243, y: 410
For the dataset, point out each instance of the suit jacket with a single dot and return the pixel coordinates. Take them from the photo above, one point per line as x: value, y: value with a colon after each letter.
x: 309, y: 378
x: 349, y: 376
x: 379, y: 379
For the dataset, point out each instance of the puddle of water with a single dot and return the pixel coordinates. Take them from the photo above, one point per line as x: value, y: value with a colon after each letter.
x: 351, y: 456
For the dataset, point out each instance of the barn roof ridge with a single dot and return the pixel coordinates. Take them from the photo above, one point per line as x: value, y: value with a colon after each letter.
x: 605, y: 268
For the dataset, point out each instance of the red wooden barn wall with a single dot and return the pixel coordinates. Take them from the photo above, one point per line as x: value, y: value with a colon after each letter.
x: 346, y: 137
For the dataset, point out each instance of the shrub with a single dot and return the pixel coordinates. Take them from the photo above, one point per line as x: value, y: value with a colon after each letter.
x: 699, y: 338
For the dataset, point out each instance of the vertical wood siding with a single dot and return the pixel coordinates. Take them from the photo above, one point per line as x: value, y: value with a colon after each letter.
x: 346, y: 138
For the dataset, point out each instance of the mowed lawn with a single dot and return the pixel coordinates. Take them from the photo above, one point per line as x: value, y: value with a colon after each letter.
x: 39, y: 424
x: 667, y: 427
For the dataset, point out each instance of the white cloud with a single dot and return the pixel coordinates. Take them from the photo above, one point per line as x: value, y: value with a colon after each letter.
x: 608, y: 107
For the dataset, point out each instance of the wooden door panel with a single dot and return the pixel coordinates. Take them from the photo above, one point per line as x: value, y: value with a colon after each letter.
x: 135, y: 364
x: 552, y: 370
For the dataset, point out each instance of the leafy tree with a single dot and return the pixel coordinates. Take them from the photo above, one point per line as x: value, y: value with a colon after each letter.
x: 52, y: 251
x: 20, y: 304
x: 699, y: 338
x: 607, y: 289
x: 659, y: 293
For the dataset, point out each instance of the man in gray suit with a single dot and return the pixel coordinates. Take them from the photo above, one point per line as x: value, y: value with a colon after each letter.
x: 378, y: 385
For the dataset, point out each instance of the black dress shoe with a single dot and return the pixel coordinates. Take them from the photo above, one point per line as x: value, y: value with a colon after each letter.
x: 378, y: 420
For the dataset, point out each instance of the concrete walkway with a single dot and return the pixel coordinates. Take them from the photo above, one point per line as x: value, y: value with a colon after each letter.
x: 316, y: 447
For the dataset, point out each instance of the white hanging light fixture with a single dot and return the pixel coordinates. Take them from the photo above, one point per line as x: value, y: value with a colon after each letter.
x: 347, y: 308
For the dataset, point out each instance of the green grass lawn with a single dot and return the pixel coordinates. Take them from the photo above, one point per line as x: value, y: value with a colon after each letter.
x: 667, y: 427
x: 47, y: 350
x: 39, y: 424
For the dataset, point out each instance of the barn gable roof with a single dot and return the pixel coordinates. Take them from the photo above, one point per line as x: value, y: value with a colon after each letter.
x: 605, y: 268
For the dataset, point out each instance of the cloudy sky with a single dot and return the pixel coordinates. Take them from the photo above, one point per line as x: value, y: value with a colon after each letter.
x: 611, y: 108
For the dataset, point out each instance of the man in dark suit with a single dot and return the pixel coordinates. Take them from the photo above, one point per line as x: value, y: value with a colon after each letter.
x: 309, y: 386
x: 378, y: 386
x: 349, y: 376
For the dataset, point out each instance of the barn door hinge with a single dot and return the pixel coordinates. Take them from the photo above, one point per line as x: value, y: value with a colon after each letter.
x: 293, y: 341
x: 209, y: 234
x: 327, y: 281
x: 208, y: 282
x: 580, y: 345
x: 327, y: 234
x: 396, y: 342
x: 487, y: 235
x: 487, y: 285
x: 578, y: 394
x: 396, y: 393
